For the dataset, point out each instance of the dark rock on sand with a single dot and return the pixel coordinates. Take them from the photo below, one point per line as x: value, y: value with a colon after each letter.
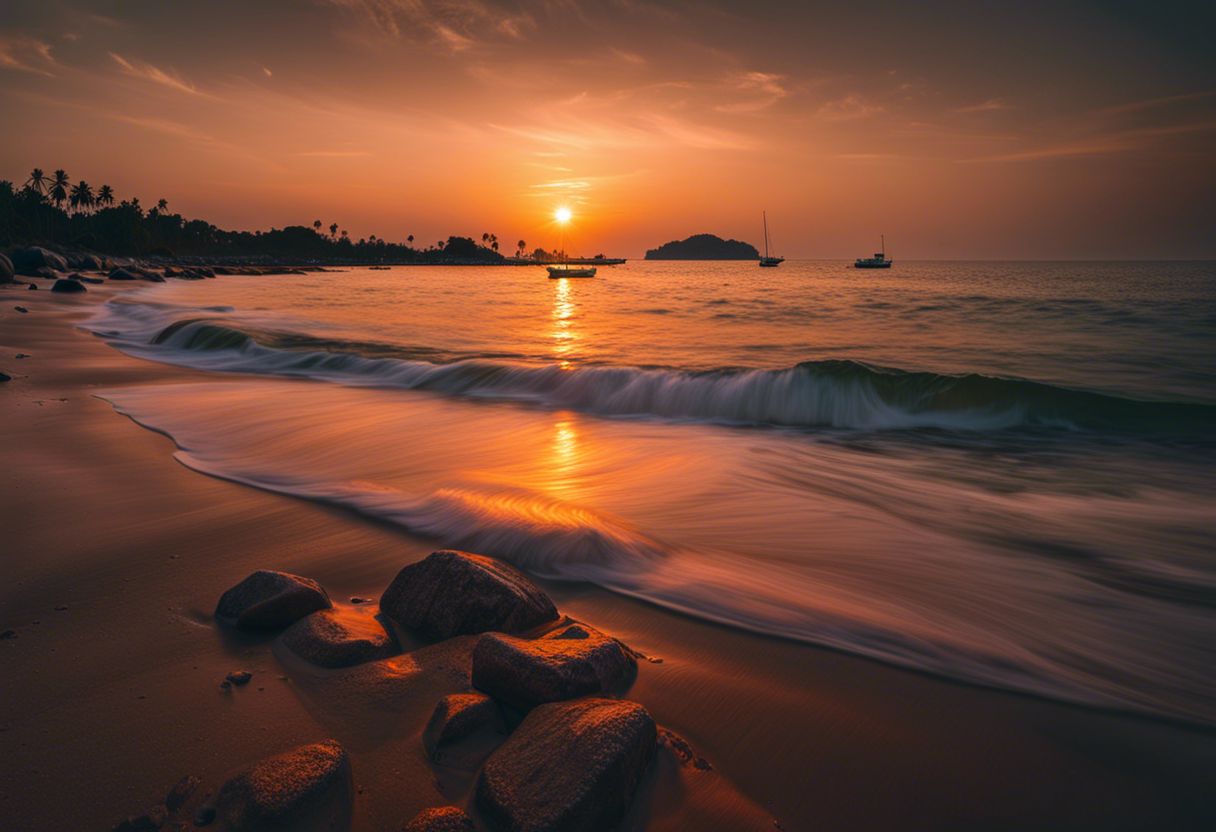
x: 68, y: 285
x: 269, y: 600
x: 308, y: 787
x: 568, y: 767
x: 46, y: 274
x: 31, y: 286
x: 29, y: 260
x: 87, y: 262
x: 122, y: 274
x: 151, y: 819
x: 6, y: 269
x: 22, y: 309
x: 5, y: 377
x: 181, y: 792
x: 7, y: 634
x: 574, y: 660
x: 442, y: 819
x: 339, y: 638
x: 453, y: 593
x: 239, y: 677
x: 459, y: 715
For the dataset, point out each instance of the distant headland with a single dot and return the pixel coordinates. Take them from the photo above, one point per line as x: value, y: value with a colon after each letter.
x: 704, y: 247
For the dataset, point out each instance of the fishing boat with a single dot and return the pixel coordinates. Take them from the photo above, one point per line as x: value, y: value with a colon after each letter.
x: 766, y: 260
x: 563, y: 271
x: 878, y: 261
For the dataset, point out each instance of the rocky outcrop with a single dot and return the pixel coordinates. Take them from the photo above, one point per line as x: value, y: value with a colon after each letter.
x: 569, y: 766
x: 339, y: 638
x: 442, y: 819
x: 460, y: 715
x: 571, y: 661
x: 122, y: 274
x: 307, y: 787
x: 454, y: 593
x: 28, y: 260
x: 269, y: 600
x: 68, y: 285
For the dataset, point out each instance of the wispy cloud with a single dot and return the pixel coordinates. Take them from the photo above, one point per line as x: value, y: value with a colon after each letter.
x: 990, y: 106
x: 759, y: 90
x: 848, y: 108
x: 148, y: 72
x: 27, y: 54
x: 333, y: 154
x: 456, y: 25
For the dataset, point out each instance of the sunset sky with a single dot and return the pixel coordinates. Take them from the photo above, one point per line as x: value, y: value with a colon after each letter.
x: 958, y: 129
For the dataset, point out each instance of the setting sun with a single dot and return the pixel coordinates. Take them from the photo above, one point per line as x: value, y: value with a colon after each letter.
x: 562, y: 215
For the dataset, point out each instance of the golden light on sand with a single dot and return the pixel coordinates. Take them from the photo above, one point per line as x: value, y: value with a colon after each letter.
x: 563, y: 215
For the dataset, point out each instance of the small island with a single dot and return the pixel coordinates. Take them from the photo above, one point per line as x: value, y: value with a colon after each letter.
x: 704, y: 247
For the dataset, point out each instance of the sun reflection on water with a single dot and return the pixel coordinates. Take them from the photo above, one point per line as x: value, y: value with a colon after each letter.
x: 563, y: 333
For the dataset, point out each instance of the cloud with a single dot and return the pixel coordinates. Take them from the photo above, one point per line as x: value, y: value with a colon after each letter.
x: 26, y: 54
x: 760, y: 90
x: 148, y: 72
x: 848, y: 108
x: 456, y: 25
x: 333, y: 154
x: 989, y: 106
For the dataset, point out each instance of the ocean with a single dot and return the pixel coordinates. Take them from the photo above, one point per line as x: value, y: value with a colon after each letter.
x: 997, y: 472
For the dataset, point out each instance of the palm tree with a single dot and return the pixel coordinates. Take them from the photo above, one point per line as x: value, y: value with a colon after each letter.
x: 410, y: 239
x: 162, y: 205
x: 37, y: 182
x: 82, y: 198
x: 494, y: 244
x: 333, y: 229
x: 519, y: 248
x: 316, y: 226
x: 59, y: 188
x: 105, y: 195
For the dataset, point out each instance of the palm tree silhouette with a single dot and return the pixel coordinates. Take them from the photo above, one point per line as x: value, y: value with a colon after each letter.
x: 519, y: 248
x: 162, y: 205
x: 316, y: 226
x: 333, y: 229
x: 37, y: 182
x: 410, y: 239
x: 105, y: 195
x: 59, y: 188
x: 82, y: 198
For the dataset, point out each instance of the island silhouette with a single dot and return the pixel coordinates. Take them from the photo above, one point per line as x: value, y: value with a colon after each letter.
x: 704, y: 247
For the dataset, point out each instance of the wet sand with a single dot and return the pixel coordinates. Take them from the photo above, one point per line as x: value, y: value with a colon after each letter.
x: 108, y: 701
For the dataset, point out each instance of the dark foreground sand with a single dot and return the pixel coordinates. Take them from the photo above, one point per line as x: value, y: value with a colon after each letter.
x: 114, y: 556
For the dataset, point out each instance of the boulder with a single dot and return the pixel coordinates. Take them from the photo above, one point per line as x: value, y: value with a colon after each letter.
x: 339, y: 638
x: 46, y: 273
x: 571, y: 661
x: 569, y: 766
x: 270, y: 600
x: 6, y: 269
x: 454, y: 593
x: 29, y: 260
x: 460, y: 715
x: 87, y: 262
x: 3, y: 378
x: 181, y: 792
x: 307, y: 787
x: 68, y: 285
x: 442, y: 819
x: 122, y: 274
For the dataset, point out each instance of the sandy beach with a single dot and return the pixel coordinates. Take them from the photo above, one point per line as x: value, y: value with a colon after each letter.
x: 116, y: 554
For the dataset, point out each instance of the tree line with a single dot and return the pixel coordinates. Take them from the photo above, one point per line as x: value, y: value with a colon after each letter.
x: 53, y: 210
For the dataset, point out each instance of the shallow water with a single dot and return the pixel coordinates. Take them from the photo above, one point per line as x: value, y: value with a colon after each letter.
x: 997, y: 472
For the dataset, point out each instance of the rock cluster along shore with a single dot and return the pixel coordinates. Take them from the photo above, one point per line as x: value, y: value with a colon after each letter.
x: 35, y: 261
x: 561, y: 752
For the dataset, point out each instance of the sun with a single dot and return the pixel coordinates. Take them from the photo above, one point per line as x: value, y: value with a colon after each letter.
x: 563, y: 215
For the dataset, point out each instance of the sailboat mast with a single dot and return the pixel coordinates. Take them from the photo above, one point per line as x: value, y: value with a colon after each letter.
x: 765, y: 215
x: 883, y: 237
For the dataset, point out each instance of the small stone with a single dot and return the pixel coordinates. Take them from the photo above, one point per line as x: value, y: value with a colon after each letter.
x: 5, y: 377
x: 22, y: 309
x: 67, y: 285
x: 181, y: 792
x: 441, y: 819
x: 239, y: 677
x: 32, y: 286
x: 61, y: 607
x: 22, y: 355
x: 8, y: 634
x: 270, y: 600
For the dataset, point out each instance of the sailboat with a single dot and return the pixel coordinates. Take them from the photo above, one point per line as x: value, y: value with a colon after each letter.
x: 878, y: 261
x: 766, y: 260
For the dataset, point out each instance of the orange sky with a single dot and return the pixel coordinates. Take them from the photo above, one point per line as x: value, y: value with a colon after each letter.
x: 958, y: 129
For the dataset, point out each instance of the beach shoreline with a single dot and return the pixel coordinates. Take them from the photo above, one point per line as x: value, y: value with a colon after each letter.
x: 117, y: 693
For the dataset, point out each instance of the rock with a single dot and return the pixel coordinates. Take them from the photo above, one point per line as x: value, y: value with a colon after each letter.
x: 29, y: 260
x: 442, y: 819
x: 575, y: 660
x: 239, y: 677
x: 46, y: 273
x: 304, y: 787
x: 569, y: 766
x: 22, y: 355
x: 7, y: 634
x: 454, y: 593
x: 85, y: 278
x: 5, y: 377
x: 31, y: 285
x: 68, y: 285
x: 181, y: 792
x: 22, y: 309
x: 339, y: 638
x: 6, y: 269
x: 151, y: 819
x: 87, y: 262
x: 270, y: 600
x: 122, y: 274
x: 459, y: 715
